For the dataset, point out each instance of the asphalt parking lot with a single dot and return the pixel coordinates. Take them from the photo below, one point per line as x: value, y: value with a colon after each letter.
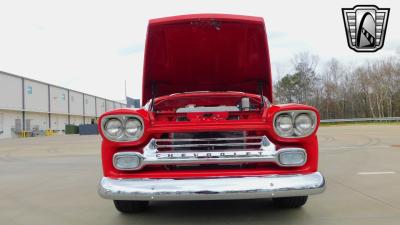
x: 53, y: 180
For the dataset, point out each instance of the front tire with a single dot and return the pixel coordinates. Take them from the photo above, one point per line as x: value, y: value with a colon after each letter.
x: 130, y: 206
x: 290, y: 202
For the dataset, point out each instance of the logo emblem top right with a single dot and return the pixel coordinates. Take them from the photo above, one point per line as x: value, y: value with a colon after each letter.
x: 365, y: 27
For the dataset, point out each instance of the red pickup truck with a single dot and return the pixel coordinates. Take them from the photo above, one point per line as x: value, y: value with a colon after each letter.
x: 208, y: 129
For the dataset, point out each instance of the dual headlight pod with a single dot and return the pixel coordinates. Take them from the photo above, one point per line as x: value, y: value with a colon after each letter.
x: 297, y: 123
x: 122, y: 127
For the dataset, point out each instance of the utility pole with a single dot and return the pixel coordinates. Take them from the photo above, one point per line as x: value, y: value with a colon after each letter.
x: 125, y: 90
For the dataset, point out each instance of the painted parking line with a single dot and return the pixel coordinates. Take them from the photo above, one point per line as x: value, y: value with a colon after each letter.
x: 376, y: 173
x: 355, y: 147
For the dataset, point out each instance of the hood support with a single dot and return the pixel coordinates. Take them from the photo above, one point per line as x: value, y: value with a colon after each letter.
x: 261, y: 93
x: 153, y: 95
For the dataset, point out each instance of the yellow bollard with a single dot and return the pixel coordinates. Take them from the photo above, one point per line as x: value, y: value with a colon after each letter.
x: 49, y: 132
x: 24, y: 134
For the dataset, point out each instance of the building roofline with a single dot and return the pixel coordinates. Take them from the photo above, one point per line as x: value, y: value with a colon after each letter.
x: 53, y: 85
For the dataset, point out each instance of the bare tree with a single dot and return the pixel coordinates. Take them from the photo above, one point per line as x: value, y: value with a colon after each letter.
x: 343, y: 91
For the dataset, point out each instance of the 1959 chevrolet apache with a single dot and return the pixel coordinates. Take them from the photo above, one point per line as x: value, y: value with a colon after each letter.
x: 208, y: 129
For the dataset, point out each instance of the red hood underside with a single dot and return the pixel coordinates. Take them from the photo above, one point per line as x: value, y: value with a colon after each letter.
x: 206, y: 52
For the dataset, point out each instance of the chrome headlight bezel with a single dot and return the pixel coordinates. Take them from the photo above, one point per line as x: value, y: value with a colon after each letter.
x: 123, y: 135
x: 294, y: 114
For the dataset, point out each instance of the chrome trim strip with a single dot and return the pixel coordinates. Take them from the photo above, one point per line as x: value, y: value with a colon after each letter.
x: 222, y: 188
x: 207, y: 145
x: 266, y: 153
x: 211, y: 139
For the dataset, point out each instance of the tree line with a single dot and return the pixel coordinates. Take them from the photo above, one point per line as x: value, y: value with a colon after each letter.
x: 342, y: 91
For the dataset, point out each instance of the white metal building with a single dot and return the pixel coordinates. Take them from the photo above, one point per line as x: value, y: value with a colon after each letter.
x: 31, y: 105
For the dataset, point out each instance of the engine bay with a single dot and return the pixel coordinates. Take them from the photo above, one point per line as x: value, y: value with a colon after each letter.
x: 206, y: 107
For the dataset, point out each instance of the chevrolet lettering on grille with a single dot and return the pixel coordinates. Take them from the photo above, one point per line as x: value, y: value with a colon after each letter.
x: 211, y: 154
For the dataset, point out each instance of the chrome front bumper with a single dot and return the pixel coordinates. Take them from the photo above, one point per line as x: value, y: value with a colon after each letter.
x: 270, y: 186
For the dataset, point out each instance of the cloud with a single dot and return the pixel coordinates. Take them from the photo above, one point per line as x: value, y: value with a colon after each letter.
x: 276, y: 35
x: 131, y: 49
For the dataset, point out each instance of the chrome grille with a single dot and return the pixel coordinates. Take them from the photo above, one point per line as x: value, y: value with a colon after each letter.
x: 209, y: 144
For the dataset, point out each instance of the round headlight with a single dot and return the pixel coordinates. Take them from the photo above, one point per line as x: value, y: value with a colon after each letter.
x: 133, y: 128
x: 284, y: 125
x: 113, y: 127
x: 304, y: 125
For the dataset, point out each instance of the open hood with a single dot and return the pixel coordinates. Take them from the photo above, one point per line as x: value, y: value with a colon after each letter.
x: 206, y: 52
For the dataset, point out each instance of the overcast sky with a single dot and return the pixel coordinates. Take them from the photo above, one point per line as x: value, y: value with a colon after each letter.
x: 94, y: 46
